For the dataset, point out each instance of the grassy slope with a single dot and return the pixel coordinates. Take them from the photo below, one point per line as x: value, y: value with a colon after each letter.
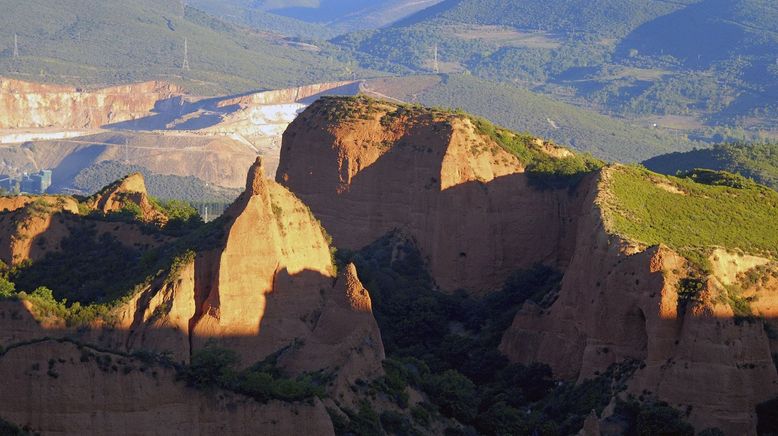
x: 755, y: 161
x: 162, y: 186
x: 248, y: 13
x: 517, y: 109
x: 637, y: 207
x: 311, y: 19
x: 598, y: 17
x: 714, y: 60
x: 90, y: 41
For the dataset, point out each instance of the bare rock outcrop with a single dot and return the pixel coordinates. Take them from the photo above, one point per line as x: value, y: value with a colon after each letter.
x: 262, y: 280
x: 621, y: 301
x: 366, y: 168
x: 26, y: 105
x: 129, y: 191
x: 55, y: 387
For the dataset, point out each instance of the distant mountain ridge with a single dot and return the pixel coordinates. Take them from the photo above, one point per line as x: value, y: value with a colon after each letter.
x: 712, y: 62
x: 323, y: 17
x: 755, y: 161
x: 86, y: 42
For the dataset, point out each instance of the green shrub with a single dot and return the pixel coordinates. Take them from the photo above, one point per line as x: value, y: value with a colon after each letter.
x: 131, y: 211
x: 545, y: 171
x: 652, y: 418
x: 689, y: 292
x: 501, y: 419
x: 640, y: 207
x: 7, y: 288
x: 395, y: 423
x: 9, y: 429
x: 214, y: 367
x: 454, y: 393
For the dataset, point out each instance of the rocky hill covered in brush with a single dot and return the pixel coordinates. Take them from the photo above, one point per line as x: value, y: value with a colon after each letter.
x: 477, y: 281
x: 667, y: 281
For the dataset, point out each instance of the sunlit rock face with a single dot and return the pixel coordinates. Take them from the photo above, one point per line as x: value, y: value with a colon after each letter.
x: 262, y: 281
x: 25, y: 105
x: 465, y: 200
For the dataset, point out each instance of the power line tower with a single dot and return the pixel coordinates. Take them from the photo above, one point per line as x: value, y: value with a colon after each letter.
x: 185, y: 65
x: 435, y: 65
x: 16, y: 46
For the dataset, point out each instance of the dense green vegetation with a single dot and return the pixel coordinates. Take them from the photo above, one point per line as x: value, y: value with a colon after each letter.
x: 165, y: 187
x: 446, y: 346
x: 213, y: 367
x: 311, y: 18
x: 81, y: 281
x: 710, y: 60
x: 249, y: 13
x: 603, y: 18
x: 521, y: 110
x: 88, y: 42
x: 690, y: 216
x: 8, y: 429
x: 653, y: 418
x: 755, y: 161
x: 544, y: 170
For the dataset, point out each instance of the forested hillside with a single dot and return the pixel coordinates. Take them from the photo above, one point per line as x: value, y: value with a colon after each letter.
x: 689, y: 65
x: 605, y: 137
x: 314, y: 18
x: 755, y: 161
x: 166, y: 187
x: 88, y: 42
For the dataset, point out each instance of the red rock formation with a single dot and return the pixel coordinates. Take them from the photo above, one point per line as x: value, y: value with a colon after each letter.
x: 58, y: 388
x: 34, y: 105
x: 366, y: 169
x: 620, y: 301
x: 462, y: 197
x: 264, y: 282
x: 129, y: 190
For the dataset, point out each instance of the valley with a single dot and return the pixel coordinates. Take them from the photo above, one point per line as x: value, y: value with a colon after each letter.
x: 152, y: 125
x: 394, y: 217
x: 559, y: 292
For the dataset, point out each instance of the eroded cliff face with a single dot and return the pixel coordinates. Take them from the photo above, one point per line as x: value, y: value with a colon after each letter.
x: 266, y: 283
x: 33, y: 105
x: 272, y: 281
x: 59, y: 388
x: 622, y: 301
x: 370, y: 169
x: 262, y: 280
x: 32, y: 226
x: 128, y: 191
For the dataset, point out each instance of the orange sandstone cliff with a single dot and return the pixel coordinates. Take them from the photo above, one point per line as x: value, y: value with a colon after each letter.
x: 619, y: 300
x: 34, y: 105
x: 121, y: 194
x: 367, y: 168
x: 259, y: 280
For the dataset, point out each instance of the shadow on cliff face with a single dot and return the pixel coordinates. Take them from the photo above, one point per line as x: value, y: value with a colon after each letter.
x: 473, y: 234
x: 166, y: 111
x: 74, y: 162
x: 178, y: 113
x: 308, y: 310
